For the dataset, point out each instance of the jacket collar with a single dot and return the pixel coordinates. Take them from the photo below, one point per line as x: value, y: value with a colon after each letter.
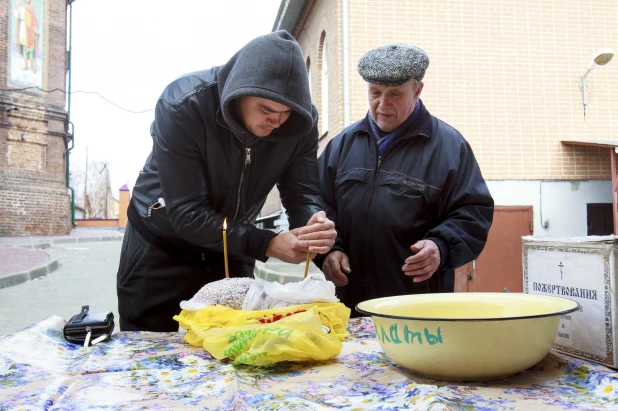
x: 422, y: 126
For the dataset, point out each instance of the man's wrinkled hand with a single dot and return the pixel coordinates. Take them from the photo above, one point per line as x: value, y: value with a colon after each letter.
x: 424, y: 262
x: 319, y: 235
x: 336, y: 266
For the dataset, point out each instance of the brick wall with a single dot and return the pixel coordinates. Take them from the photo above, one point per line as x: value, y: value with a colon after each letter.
x: 322, y: 20
x: 33, y: 193
x: 506, y: 74
x: 272, y: 204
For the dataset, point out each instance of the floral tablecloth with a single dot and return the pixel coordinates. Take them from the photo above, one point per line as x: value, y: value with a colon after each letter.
x: 39, y: 370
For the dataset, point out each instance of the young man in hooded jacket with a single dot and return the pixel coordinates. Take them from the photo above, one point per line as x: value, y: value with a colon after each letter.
x: 222, y: 139
x: 404, y: 189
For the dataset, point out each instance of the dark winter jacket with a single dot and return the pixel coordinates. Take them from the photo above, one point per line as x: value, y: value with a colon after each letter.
x: 426, y: 185
x: 206, y: 166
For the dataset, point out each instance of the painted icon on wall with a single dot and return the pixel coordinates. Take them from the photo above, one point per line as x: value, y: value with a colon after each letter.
x: 27, y: 44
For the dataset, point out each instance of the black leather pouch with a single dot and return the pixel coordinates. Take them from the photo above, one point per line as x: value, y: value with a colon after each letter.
x: 96, y: 324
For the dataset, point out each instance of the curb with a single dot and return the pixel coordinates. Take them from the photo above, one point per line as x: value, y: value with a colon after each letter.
x: 48, y: 267
x: 31, y: 274
x: 48, y: 243
x: 28, y: 245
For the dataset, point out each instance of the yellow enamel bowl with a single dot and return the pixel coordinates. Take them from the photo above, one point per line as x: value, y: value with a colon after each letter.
x: 467, y: 336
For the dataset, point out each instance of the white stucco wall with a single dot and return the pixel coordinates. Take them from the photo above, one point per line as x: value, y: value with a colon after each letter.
x: 560, y: 203
x: 282, y: 223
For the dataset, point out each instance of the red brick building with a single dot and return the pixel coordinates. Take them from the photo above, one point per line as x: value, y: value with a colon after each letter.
x: 33, y: 119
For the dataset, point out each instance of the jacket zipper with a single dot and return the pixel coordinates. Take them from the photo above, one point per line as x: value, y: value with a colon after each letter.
x: 242, y: 174
x: 365, y: 243
x: 247, y: 151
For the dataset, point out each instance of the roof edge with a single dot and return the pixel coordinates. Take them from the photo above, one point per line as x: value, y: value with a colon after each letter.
x: 288, y: 15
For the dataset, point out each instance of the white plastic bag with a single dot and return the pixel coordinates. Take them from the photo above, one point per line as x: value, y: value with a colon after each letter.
x: 264, y: 295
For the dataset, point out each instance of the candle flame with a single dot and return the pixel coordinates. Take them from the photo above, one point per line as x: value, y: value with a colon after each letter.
x: 225, y: 224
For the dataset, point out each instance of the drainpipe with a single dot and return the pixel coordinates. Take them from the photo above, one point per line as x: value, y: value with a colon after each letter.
x: 346, y: 63
x: 70, y: 126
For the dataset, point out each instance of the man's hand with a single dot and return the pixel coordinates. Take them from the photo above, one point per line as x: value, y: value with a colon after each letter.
x: 286, y: 247
x: 336, y: 266
x: 319, y: 235
x: 424, y: 262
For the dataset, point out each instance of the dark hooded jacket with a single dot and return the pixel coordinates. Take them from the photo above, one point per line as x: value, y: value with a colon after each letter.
x: 426, y: 185
x: 206, y: 166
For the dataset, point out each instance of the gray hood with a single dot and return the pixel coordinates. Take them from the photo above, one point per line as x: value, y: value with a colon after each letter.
x: 271, y: 67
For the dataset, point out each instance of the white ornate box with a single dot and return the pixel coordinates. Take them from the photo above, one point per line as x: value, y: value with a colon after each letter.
x: 582, y: 269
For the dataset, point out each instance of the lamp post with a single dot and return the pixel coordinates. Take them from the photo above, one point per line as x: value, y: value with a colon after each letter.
x: 601, y: 58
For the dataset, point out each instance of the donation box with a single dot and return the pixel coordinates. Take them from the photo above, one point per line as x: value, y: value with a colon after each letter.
x: 582, y: 269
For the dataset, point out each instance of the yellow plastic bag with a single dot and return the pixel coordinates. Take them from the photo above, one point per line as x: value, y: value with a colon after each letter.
x: 296, y: 333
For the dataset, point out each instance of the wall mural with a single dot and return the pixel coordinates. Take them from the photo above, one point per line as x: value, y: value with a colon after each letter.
x: 27, y: 44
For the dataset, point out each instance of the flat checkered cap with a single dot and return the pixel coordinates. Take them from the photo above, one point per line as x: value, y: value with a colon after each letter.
x: 393, y: 64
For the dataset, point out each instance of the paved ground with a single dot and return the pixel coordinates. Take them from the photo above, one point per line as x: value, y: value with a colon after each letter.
x: 86, y: 274
x: 77, y: 234
x: 17, y: 259
x: 56, y: 275
x: 27, y: 258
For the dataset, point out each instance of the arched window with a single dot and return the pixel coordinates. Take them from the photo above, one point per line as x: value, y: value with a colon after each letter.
x: 324, y: 81
x: 309, y: 75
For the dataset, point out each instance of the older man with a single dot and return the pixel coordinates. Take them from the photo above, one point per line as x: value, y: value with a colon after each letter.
x: 403, y: 188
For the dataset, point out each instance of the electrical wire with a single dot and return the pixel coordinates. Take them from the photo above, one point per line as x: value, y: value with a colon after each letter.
x: 75, y: 92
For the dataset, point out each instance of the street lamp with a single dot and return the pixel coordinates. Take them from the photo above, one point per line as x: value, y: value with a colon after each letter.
x: 601, y: 58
